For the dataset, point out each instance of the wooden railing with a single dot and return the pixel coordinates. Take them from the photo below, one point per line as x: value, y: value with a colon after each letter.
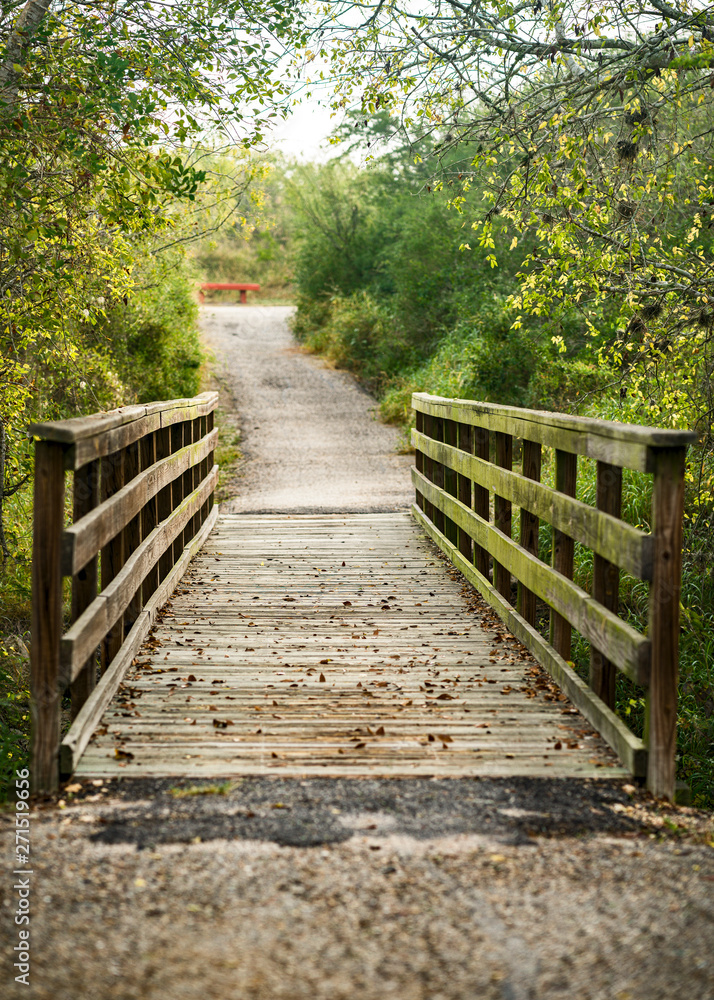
x: 144, y: 479
x: 464, y: 455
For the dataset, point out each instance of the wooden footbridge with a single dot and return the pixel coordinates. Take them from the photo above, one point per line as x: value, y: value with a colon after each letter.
x: 348, y: 644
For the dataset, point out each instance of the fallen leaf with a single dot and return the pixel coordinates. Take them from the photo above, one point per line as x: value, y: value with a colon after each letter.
x: 380, y: 731
x: 322, y: 678
x: 444, y: 738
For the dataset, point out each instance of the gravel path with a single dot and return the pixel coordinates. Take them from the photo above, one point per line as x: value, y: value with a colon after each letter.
x: 321, y: 889
x: 309, y: 435
x: 354, y: 889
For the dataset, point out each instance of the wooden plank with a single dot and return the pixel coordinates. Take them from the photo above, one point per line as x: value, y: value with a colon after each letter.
x: 606, y: 580
x: 493, y: 724
x: 626, y: 745
x: 622, y: 644
x: 85, y: 537
x: 46, y: 615
x: 102, y: 434
x: 563, y: 555
x: 529, y: 529
x: 661, y: 714
x: 84, y: 583
x: 502, y: 512
x: 626, y: 445
x: 615, y: 540
x: 98, y: 424
x: 79, y: 734
x: 108, y: 608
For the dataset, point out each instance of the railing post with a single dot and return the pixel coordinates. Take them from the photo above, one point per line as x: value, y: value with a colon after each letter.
x: 606, y: 581
x: 450, y: 478
x: 464, y: 485
x: 502, y: 511
x: 529, y: 528
x: 132, y: 532
x: 566, y: 474
x: 178, y: 492
x: 481, y: 497
x: 84, y: 584
x: 46, y: 615
x: 210, y: 421
x: 419, y: 457
x: 149, y: 515
x: 112, y: 553
x: 437, y: 469
x: 667, y: 512
x: 164, y: 500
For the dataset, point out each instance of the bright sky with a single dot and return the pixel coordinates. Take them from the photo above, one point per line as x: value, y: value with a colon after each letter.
x: 304, y: 133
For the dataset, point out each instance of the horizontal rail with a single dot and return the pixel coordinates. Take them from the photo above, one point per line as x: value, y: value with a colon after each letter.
x: 629, y: 748
x: 466, y: 486
x: 615, y: 540
x: 626, y: 445
x: 80, y: 732
x: 144, y: 480
x: 90, y: 628
x: 621, y: 643
x: 85, y: 537
x: 105, y: 433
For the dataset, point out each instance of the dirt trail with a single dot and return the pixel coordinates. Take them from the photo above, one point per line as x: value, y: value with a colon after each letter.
x: 309, y: 435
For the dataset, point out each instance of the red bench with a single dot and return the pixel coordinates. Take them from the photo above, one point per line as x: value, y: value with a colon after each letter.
x: 227, y: 287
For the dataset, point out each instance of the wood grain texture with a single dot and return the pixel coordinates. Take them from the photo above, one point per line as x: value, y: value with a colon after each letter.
x: 631, y: 750
x: 529, y: 529
x: 661, y: 717
x: 84, y: 725
x: 615, y: 540
x: 88, y: 534
x: 606, y: 580
x: 107, y: 610
x: 623, y: 644
x: 627, y: 445
x: 112, y: 558
x: 563, y: 554
x: 502, y: 513
x: 275, y: 658
x: 46, y: 615
x: 85, y: 581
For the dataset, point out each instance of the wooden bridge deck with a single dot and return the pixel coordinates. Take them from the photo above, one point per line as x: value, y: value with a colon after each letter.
x: 335, y: 645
